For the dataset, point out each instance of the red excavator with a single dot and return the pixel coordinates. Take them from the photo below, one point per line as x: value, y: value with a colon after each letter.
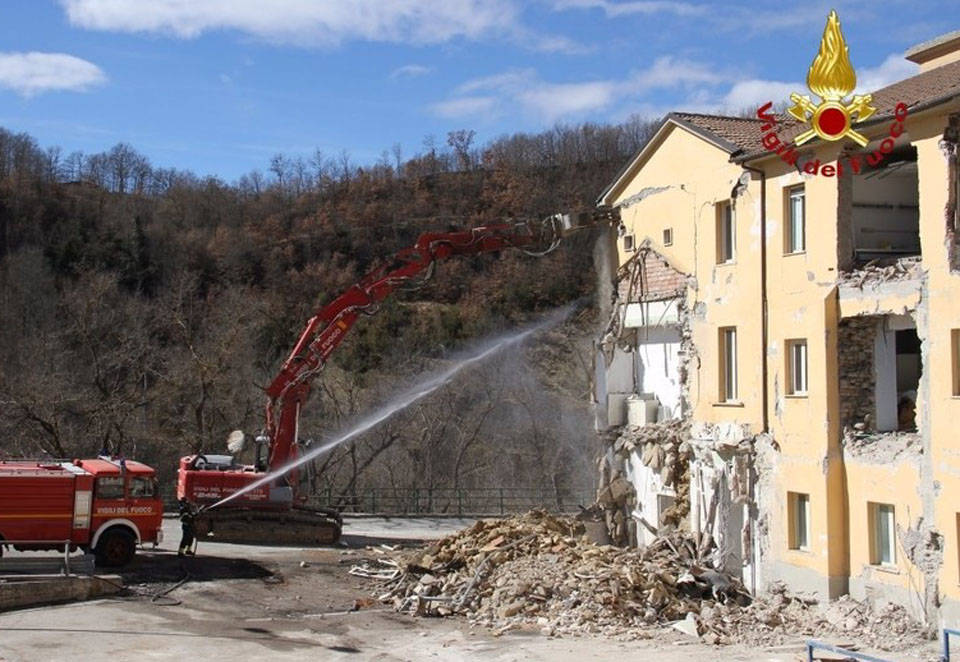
x: 275, y: 511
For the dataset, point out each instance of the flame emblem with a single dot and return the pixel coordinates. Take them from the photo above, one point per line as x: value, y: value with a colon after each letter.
x: 832, y: 78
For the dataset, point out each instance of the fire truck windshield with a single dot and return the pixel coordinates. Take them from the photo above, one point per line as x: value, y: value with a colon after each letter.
x: 110, y: 487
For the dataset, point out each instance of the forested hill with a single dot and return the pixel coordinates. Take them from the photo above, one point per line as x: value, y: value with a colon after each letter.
x: 143, y: 308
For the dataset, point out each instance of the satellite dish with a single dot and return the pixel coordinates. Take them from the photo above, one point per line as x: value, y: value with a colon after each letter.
x: 236, y: 440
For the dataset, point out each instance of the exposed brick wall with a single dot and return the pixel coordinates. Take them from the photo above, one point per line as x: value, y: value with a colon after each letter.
x: 856, y: 337
x: 647, y: 276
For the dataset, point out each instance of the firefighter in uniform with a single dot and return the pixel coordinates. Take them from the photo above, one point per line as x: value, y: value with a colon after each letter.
x: 187, y: 516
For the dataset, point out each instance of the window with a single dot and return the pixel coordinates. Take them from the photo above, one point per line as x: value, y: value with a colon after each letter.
x: 796, y: 226
x: 142, y: 487
x: 664, y: 502
x: 628, y: 242
x: 726, y: 233
x: 110, y: 487
x: 798, y: 515
x: 883, y: 534
x: 955, y: 359
x: 958, y: 539
x: 796, y: 367
x: 728, y: 364
x: 668, y: 237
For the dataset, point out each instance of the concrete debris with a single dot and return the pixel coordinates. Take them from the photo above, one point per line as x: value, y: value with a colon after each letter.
x: 779, y: 617
x: 877, y: 272
x: 537, y: 571
x: 880, y: 447
x: 540, y: 570
x: 664, y: 447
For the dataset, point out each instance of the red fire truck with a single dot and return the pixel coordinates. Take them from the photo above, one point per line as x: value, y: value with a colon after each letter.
x: 104, y: 505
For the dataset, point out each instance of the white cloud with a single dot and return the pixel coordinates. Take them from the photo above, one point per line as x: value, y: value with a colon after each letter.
x: 891, y: 70
x: 34, y: 73
x: 614, y: 9
x: 666, y: 72
x: 753, y: 93
x: 523, y: 90
x: 316, y: 22
x: 464, y: 107
x: 553, y: 101
x: 506, y: 82
x: 410, y: 71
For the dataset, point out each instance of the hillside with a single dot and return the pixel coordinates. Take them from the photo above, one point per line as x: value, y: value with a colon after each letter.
x: 144, y: 308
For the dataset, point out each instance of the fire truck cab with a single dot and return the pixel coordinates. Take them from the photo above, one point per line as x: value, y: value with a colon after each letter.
x: 104, y: 506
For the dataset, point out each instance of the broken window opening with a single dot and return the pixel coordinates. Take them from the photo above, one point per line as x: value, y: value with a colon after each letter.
x: 884, y: 214
x: 879, y: 371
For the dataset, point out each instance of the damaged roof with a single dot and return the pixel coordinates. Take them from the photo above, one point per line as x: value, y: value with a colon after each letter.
x: 649, y: 276
x: 741, y: 136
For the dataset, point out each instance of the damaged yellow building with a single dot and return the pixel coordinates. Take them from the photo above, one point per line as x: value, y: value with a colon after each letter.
x: 807, y: 329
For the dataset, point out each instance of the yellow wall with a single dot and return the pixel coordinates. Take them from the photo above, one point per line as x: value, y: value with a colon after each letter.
x: 699, y: 176
x: 941, y: 410
x: 803, y: 302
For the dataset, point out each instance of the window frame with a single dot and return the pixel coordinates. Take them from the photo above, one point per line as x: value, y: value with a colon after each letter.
x: 795, y: 387
x: 729, y: 388
x: 882, y: 515
x: 668, y: 236
x: 955, y: 361
x: 629, y: 243
x: 798, y: 518
x: 789, y: 247
x: 726, y: 233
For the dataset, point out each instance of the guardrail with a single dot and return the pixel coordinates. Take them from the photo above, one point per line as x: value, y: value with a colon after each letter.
x: 64, y: 563
x: 813, y: 645
x: 946, y: 642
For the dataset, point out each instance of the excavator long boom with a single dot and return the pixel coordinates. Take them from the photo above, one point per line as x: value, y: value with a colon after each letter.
x: 329, y: 326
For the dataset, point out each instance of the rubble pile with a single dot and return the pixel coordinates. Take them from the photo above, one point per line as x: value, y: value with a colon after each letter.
x: 540, y: 570
x: 881, y: 271
x: 779, y: 616
x: 663, y: 446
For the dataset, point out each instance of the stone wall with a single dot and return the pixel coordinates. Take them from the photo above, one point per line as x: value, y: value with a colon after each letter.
x: 856, y: 337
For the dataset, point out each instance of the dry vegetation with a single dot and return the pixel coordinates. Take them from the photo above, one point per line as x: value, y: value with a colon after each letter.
x: 144, y: 307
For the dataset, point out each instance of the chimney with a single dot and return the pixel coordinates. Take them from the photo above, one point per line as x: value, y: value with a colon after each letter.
x: 936, y: 52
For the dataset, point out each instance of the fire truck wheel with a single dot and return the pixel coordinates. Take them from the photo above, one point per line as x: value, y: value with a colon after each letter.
x: 115, y: 548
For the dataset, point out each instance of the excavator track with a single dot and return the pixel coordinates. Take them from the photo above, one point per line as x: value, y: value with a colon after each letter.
x: 300, y: 526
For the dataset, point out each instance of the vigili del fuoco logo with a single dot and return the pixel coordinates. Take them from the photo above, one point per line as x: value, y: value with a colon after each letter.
x: 831, y: 78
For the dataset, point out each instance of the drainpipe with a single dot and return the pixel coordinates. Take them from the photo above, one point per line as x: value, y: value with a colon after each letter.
x: 763, y: 292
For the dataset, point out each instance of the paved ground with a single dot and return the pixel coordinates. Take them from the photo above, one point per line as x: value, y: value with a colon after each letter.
x: 246, y: 602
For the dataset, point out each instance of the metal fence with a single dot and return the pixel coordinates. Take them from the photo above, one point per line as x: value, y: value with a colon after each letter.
x: 448, y: 501
x: 438, y: 501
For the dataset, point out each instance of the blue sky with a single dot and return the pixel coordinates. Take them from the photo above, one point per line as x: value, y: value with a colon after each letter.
x: 219, y: 86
